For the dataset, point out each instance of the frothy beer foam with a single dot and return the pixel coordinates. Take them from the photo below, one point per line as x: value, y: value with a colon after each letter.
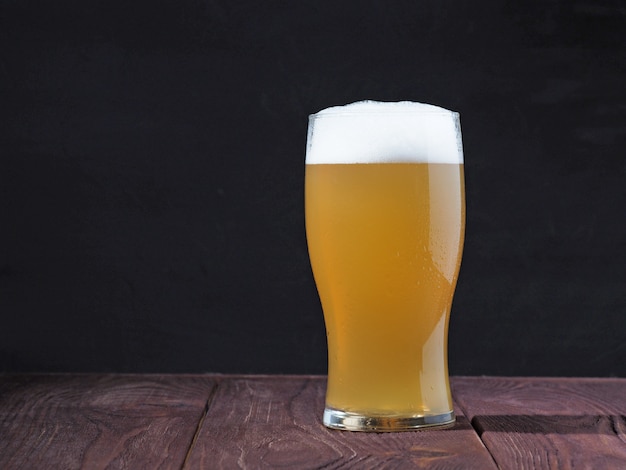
x: 381, y: 132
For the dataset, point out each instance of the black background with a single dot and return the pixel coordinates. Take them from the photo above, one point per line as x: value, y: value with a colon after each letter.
x: 152, y: 163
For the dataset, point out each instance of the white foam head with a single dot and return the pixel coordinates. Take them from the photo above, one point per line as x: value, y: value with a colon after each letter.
x: 382, y: 132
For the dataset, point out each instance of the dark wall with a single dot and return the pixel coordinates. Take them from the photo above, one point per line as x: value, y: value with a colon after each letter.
x: 152, y: 162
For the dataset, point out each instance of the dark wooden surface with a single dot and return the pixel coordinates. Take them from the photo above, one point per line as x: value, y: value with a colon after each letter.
x: 219, y: 421
x: 548, y: 423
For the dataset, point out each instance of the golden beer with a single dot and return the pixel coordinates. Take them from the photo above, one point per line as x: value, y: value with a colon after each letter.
x: 385, y: 243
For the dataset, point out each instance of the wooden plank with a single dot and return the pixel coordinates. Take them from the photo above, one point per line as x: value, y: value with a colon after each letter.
x: 275, y: 422
x: 98, y: 421
x: 542, y: 423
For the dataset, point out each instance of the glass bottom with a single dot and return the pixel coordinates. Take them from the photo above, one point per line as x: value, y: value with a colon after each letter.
x: 347, y: 421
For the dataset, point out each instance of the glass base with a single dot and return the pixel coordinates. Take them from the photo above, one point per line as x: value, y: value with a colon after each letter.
x: 347, y: 421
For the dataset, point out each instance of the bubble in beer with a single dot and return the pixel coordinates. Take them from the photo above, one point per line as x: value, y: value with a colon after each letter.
x: 384, y: 132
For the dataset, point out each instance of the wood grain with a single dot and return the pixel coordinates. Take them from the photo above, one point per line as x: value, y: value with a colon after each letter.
x: 255, y: 422
x: 548, y: 423
x: 99, y: 421
x: 275, y: 422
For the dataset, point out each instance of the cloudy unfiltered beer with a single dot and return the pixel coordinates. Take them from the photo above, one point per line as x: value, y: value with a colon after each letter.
x: 385, y: 217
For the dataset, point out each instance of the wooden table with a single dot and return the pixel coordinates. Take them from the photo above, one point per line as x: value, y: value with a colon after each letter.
x: 222, y: 421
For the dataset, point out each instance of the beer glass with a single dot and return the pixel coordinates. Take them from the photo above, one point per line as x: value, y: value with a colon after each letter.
x: 385, y: 221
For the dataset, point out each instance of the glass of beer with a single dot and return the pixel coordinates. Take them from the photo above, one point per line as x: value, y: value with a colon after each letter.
x: 385, y: 222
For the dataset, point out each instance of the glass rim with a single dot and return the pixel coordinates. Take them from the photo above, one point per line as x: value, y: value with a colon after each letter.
x: 374, y: 108
x: 320, y: 114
